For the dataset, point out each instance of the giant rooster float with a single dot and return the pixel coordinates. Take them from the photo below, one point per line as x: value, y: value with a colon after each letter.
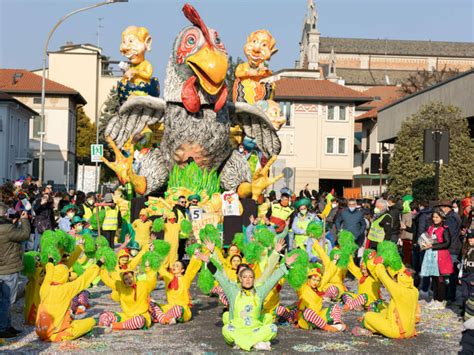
x: 197, y: 119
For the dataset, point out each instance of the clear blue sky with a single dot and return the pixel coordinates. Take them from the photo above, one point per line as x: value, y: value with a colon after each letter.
x: 24, y: 24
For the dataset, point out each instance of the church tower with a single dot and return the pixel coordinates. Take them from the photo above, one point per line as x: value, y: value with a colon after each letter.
x: 309, y: 45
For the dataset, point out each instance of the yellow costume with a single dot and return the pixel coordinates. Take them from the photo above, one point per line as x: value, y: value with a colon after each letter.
x: 338, y: 274
x: 53, y: 322
x: 399, y: 319
x: 32, y: 295
x: 133, y: 300
x: 177, y: 288
x: 172, y: 231
x: 142, y: 231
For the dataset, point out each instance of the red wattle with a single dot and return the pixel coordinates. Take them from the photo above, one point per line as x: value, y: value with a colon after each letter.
x: 190, y: 96
x: 222, y: 99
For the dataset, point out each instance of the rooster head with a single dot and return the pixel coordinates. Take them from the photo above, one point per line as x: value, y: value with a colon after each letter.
x: 198, y: 66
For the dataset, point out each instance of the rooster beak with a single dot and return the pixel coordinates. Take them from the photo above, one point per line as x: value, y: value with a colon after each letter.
x: 210, y: 66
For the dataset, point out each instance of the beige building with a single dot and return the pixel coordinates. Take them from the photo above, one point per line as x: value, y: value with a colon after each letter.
x: 60, y: 122
x: 84, y: 68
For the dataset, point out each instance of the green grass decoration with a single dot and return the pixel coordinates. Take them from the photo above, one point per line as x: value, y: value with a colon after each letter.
x: 264, y: 236
x: 192, y: 177
x: 239, y: 240
x: 297, y: 276
x: 153, y: 260
x: 314, y: 229
x: 253, y: 252
x: 191, y: 249
x: 389, y: 253
x: 78, y: 269
x: 109, y: 256
x: 205, y: 280
x: 158, y: 225
x: 161, y: 248
x: 186, y: 227
x: 29, y: 262
x: 346, y: 242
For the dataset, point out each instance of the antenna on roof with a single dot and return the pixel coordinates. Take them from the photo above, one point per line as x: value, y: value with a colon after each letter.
x: 99, y: 26
x: 16, y: 77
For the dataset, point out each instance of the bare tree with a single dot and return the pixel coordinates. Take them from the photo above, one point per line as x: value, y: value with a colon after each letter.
x: 426, y: 78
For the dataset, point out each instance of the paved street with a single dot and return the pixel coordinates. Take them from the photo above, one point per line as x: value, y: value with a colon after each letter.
x: 439, y: 332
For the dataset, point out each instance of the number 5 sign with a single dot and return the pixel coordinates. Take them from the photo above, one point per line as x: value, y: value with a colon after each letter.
x: 196, y: 213
x: 97, y: 152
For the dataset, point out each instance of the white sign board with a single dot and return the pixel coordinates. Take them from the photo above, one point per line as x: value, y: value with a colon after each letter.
x: 97, y: 152
x: 196, y: 213
x: 86, y: 178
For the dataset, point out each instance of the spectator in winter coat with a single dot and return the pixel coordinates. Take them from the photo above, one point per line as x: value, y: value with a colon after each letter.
x: 395, y: 209
x: 44, y: 217
x: 11, y: 265
x: 453, y: 222
x: 381, y: 227
x: 352, y: 219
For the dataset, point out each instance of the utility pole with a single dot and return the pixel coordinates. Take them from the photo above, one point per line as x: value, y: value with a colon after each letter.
x: 99, y: 26
x: 437, y: 134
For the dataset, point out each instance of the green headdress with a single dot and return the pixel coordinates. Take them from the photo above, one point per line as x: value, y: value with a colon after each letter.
x: 162, y: 248
x: 253, y: 252
x: 151, y: 259
x: 239, y: 240
x: 346, y: 242
x: 30, y: 259
x: 209, y: 232
x: 302, y: 202
x: 297, y: 275
x: 344, y: 257
x: 264, y: 236
x: 315, y: 229
x: 65, y: 241
x: 109, y: 256
x: 101, y: 242
x: 367, y: 254
x: 388, y: 251
x: 158, y: 225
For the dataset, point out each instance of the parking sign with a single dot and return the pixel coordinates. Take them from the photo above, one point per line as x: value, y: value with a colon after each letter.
x: 97, y: 152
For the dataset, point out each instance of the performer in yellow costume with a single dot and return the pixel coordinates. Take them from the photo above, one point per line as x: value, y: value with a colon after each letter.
x: 53, y: 322
x: 335, y: 287
x: 142, y: 227
x: 133, y: 295
x: 35, y: 273
x: 177, y: 284
x: 310, y: 313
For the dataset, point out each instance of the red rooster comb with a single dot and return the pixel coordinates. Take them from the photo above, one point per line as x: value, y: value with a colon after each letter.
x: 193, y: 16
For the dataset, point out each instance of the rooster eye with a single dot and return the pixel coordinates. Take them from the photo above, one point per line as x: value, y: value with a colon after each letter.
x: 191, y: 41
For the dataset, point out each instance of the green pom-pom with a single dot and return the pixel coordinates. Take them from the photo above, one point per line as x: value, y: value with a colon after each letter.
x: 152, y: 259
x: 239, y: 240
x: 264, y: 236
x: 66, y: 241
x: 191, y: 249
x: 78, y: 269
x: 29, y: 262
x: 389, y: 253
x: 209, y: 232
x: 367, y: 253
x: 93, y: 219
x: 253, y: 252
x: 302, y: 259
x: 346, y: 242
x: 89, y: 245
x: 158, y: 225
x: 50, y: 251
x: 344, y: 257
x: 314, y: 229
x: 186, y: 227
x: 161, y: 248
x: 205, y: 280
x: 297, y: 276
x: 101, y: 242
x: 109, y: 256
x: 48, y: 238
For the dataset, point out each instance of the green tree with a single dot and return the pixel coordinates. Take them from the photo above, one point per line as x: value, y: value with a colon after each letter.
x: 408, y: 174
x: 85, y: 136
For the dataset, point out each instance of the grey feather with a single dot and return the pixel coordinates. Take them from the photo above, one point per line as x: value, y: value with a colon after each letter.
x: 134, y: 115
x: 256, y: 125
x: 236, y: 170
x: 154, y: 169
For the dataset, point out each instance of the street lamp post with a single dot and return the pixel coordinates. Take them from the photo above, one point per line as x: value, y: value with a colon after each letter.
x: 43, y: 80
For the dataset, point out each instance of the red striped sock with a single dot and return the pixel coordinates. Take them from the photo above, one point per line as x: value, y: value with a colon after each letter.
x: 157, y: 315
x: 359, y: 301
x: 312, y: 317
x: 107, y: 318
x: 134, y: 323
x: 346, y: 298
x: 332, y: 292
x: 176, y: 312
x: 336, y: 313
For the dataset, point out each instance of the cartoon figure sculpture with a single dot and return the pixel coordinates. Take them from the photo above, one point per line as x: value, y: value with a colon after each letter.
x: 137, y: 78
x: 196, y: 116
x: 259, y: 48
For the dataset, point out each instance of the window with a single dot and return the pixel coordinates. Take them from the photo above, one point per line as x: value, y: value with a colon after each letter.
x: 286, y: 112
x: 331, y: 112
x: 342, y: 113
x: 330, y: 145
x: 37, y: 100
x: 37, y: 126
x: 287, y: 143
x: 342, y: 146
x: 336, y: 146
